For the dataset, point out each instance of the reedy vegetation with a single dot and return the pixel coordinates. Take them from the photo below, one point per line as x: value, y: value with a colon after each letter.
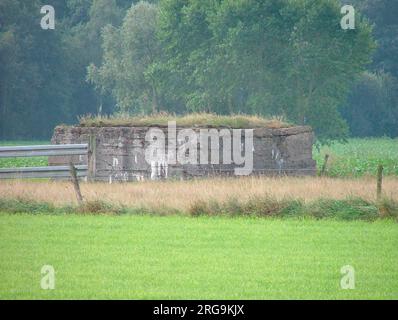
x: 265, y: 197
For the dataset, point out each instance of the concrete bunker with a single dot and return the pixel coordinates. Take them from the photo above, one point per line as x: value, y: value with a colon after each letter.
x: 118, y: 153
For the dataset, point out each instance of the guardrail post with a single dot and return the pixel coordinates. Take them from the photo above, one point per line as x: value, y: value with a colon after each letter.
x: 92, y: 147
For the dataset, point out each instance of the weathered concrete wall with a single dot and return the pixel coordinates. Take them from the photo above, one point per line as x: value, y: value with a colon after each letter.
x: 120, y: 153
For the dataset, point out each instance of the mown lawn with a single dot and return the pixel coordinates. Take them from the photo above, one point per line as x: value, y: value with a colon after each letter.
x: 147, y: 257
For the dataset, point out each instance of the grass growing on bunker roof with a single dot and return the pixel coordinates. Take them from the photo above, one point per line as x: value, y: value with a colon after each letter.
x: 239, y: 121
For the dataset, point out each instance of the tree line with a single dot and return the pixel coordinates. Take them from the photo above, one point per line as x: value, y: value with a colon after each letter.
x: 287, y: 58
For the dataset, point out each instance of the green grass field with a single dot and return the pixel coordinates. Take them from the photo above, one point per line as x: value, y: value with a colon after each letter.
x: 23, y: 162
x: 144, y: 257
x: 360, y: 157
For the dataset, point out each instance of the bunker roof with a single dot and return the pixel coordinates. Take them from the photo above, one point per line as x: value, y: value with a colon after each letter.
x: 239, y: 121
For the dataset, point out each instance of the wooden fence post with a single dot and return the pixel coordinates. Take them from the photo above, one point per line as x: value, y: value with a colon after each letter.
x: 92, y: 146
x: 379, y: 181
x: 323, y: 170
x: 75, y: 183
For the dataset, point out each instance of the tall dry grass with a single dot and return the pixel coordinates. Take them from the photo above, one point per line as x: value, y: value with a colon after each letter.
x: 189, y: 120
x: 180, y: 195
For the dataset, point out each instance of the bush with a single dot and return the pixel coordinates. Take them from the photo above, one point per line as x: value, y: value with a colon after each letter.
x: 388, y: 208
x: 255, y: 206
x: 199, y: 208
x: 346, y: 209
x: 99, y: 207
x: 349, y: 209
x: 267, y: 206
x: 25, y: 205
x: 20, y: 205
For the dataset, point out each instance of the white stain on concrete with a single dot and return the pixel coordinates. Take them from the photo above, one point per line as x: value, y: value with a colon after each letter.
x: 159, y: 170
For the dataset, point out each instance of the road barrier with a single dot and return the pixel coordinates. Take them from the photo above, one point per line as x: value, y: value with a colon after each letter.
x: 39, y: 151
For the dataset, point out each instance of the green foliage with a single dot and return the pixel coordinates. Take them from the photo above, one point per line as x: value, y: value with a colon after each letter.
x: 200, y: 208
x: 360, y: 157
x: 32, y: 77
x: 42, y: 72
x: 372, y: 106
x: 259, y: 206
x: 264, y: 57
x: 25, y: 205
x: 23, y: 162
x: 98, y: 207
x: 271, y: 57
x: 23, y: 142
x: 129, y: 51
x: 350, y: 209
x: 383, y: 14
x: 268, y: 57
x: 347, y: 209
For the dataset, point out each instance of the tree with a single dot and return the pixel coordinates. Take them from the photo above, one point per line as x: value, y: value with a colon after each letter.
x: 287, y: 57
x: 326, y: 61
x: 129, y: 51
x: 33, y: 90
x: 42, y: 72
x: 372, y: 106
x: 383, y: 14
x: 83, y: 40
x: 269, y: 57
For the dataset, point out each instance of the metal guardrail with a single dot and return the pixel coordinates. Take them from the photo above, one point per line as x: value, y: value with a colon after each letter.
x: 41, y: 172
x: 43, y: 150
